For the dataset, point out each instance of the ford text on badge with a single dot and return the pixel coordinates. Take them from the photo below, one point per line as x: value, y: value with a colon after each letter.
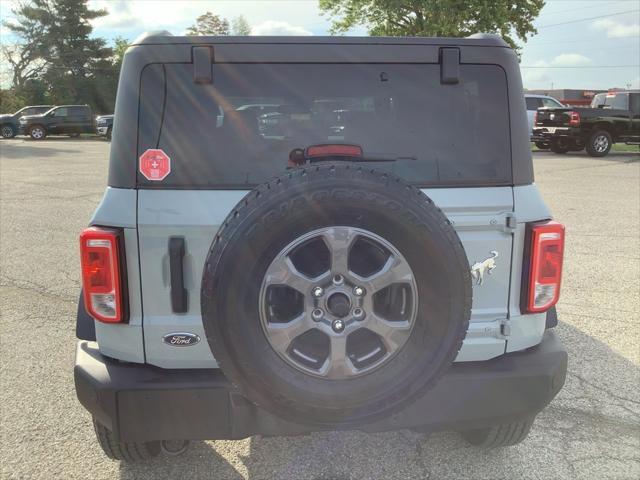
x: 181, y: 339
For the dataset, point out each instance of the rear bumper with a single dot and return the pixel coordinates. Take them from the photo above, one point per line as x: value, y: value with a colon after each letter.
x: 546, y: 134
x: 140, y: 402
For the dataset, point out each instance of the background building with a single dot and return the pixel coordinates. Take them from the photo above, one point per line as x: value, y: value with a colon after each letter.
x: 569, y: 96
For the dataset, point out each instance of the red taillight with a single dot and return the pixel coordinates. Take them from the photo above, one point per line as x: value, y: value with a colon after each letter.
x: 101, y: 281
x: 545, y: 269
x: 333, y: 150
x: 574, y: 119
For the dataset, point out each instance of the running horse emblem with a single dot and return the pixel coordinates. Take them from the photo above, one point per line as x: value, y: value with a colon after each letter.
x: 478, y: 269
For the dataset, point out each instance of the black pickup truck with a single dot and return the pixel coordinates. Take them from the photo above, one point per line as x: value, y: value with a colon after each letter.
x: 9, y: 123
x: 69, y: 120
x: 613, y: 117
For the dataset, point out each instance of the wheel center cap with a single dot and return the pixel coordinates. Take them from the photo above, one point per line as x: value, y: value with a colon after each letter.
x: 339, y: 304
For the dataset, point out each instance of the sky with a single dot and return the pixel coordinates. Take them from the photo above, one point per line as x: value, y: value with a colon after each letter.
x: 582, y: 44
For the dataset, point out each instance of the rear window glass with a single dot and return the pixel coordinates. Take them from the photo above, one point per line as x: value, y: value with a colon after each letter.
x: 78, y: 111
x: 532, y: 103
x: 239, y: 130
x: 550, y: 103
x: 618, y: 101
x: 634, y: 102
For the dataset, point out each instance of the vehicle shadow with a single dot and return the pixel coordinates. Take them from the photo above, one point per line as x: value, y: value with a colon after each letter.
x: 591, y: 430
x: 200, y: 461
x: 28, y: 152
x: 621, y: 157
x: 85, y: 137
x: 53, y: 138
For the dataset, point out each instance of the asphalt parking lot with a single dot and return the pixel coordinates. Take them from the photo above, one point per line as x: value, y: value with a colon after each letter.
x: 592, y: 430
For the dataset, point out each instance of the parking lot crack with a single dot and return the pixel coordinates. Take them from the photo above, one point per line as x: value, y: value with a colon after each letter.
x: 33, y: 287
x: 625, y: 427
x: 584, y: 381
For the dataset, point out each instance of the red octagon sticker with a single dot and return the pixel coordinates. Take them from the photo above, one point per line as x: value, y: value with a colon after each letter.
x: 155, y: 165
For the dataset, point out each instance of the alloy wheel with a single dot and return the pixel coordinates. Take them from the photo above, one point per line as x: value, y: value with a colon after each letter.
x: 338, y: 302
x: 600, y: 143
x: 7, y: 131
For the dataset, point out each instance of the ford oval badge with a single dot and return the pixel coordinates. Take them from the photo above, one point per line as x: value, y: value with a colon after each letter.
x: 181, y: 339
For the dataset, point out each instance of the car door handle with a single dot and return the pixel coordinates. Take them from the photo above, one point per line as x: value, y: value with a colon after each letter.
x: 179, y: 299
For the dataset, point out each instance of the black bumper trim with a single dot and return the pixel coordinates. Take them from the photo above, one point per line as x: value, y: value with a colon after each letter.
x: 542, y: 134
x: 552, y: 319
x: 141, y: 402
x: 85, y: 324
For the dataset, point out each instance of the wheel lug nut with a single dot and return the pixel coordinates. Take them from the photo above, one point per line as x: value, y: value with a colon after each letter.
x: 317, y: 314
x: 358, y: 291
x: 338, y: 280
x: 338, y: 326
x: 317, y: 292
x: 358, y: 313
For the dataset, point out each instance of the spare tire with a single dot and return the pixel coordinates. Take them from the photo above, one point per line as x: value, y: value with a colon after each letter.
x: 335, y: 295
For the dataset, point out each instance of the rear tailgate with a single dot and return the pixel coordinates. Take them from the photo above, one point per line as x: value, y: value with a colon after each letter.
x: 553, y: 117
x: 479, y: 215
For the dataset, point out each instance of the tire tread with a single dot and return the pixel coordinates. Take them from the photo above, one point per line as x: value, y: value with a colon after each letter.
x: 276, y: 187
x: 500, y: 435
x: 124, y: 451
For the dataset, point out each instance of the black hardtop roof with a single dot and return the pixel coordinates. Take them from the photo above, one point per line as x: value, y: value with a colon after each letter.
x: 165, y: 38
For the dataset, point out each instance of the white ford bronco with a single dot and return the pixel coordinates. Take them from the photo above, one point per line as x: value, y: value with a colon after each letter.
x: 306, y: 234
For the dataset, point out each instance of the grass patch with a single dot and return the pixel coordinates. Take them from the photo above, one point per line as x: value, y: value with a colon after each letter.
x: 617, y: 147
x: 621, y: 147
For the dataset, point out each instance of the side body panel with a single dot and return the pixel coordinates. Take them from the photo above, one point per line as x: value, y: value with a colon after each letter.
x: 525, y: 330
x: 123, y: 341
x: 479, y: 216
x: 194, y: 216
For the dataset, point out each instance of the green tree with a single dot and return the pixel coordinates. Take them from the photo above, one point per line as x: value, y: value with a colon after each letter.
x: 23, y: 62
x: 440, y: 18
x: 209, y: 24
x: 10, y: 102
x: 240, y: 26
x: 120, y: 46
x: 58, y: 32
x: 31, y: 92
x: 24, y: 57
